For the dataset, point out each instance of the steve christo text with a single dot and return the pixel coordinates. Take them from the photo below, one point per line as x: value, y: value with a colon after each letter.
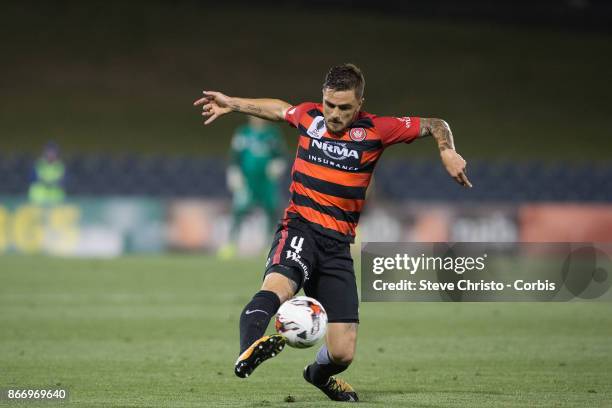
x: 463, y: 285
x: 459, y: 265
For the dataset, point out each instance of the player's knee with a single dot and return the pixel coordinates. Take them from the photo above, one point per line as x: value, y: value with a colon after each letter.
x: 281, y: 285
x: 343, y: 352
x: 342, y: 342
x: 342, y: 357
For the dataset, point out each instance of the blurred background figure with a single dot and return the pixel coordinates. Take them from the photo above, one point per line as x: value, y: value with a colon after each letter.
x: 47, y: 188
x: 256, y: 164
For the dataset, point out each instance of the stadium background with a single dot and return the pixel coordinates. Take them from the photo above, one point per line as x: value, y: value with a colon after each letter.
x: 524, y: 86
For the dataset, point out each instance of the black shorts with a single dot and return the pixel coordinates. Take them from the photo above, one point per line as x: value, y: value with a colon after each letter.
x: 323, y: 266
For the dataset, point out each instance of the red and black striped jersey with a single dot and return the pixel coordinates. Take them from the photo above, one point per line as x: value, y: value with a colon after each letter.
x: 331, y: 173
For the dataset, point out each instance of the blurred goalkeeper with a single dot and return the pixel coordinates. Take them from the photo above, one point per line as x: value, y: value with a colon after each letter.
x: 256, y: 165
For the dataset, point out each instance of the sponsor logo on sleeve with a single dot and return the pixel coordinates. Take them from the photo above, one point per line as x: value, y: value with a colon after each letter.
x: 406, y: 120
x: 317, y: 128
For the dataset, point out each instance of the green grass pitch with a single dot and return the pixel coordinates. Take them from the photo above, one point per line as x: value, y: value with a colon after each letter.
x: 162, y: 331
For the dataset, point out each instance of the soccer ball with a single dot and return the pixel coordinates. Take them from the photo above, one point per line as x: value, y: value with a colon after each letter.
x: 302, y: 321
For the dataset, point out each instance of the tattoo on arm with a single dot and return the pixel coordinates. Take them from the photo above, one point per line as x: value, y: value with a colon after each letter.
x: 440, y: 131
x: 269, y: 109
x: 252, y: 108
x: 248, y: 108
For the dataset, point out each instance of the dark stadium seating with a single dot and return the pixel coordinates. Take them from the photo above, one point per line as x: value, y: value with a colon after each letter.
x: 177, y: 176
x: 499, y: 181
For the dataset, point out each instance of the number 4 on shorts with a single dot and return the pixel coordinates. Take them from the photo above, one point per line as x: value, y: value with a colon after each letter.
x: 296, y: 244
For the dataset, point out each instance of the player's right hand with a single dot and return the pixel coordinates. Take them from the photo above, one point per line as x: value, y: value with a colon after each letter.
x: 455, y: 166
x: 214, y: 104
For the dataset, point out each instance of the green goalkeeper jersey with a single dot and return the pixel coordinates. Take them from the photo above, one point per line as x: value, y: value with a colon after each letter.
x: 254, y: 148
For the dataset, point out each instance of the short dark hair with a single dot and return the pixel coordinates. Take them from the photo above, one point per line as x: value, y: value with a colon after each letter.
x: 344, y: 77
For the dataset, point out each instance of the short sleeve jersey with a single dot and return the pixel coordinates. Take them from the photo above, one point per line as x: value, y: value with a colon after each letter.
x: 331, y: 173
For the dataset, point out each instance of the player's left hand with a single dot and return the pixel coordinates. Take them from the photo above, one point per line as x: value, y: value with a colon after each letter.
x: 455, y: 166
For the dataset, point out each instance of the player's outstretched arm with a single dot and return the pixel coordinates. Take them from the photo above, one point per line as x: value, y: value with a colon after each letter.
x: 453, y: 162
x: 215, y: 104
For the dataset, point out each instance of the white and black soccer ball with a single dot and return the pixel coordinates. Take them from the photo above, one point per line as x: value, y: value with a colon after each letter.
x: 302, y: 321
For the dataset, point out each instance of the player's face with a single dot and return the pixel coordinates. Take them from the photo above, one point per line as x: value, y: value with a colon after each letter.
x: 340, y: 108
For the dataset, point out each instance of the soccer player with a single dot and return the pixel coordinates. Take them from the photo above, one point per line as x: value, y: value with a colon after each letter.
x: 339, y: 145
x: 47, y: 187
x: 257, y: 162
